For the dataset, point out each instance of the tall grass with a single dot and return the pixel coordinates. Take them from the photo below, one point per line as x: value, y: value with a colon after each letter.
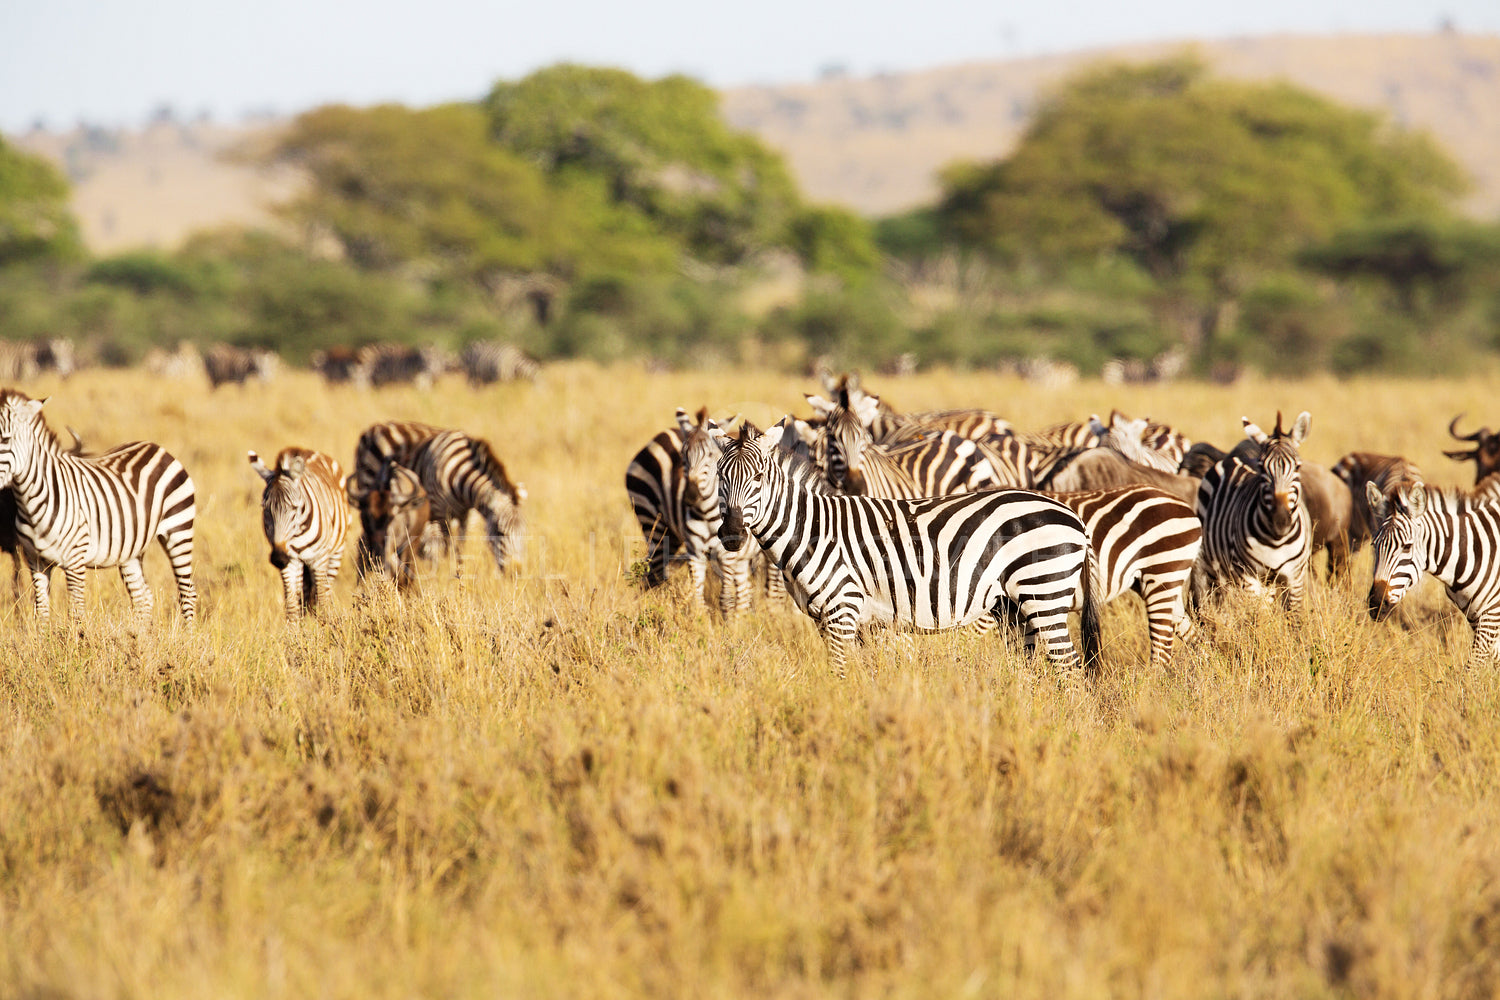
x: 557, y: 784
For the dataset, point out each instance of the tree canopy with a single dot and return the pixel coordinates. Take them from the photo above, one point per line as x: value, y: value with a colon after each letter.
x: 1188, y: 174
x: 34, y: 218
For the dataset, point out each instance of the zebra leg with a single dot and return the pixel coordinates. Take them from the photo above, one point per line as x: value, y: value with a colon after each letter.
x: 839, y: 628
x: 1486, y: 631
x: 140, y: 593
x: 179, y: 550
x: 41, y: 588
x: 74, y: 577
x: 1049, y: 622
x: 291, y: 588
x: 323, y: 582
x: 1164, y: 617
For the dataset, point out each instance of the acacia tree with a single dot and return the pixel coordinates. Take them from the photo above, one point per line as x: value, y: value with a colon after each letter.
x: 1190, y: 175
x: 658, y: 149
x: 35, y: 222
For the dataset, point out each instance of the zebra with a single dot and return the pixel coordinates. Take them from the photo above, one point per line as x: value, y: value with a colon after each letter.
x: 394, y: 516
x: 1256, y: 529
x: 1155, y: 446
x: 488, y: 361
x: 1453, y: 536
x: 461, y: 473
x: 673, y: 487
x: 341, y: 365
x: 225, y: 363
x: 88, y: 512
x: 1146, y: 540
x: 23, y: 360
x: 940, y: 463
x: 392, y: 441
x: 930, y: 564
x: 390, y: 364
x: 306, y: 522
x: 1051, y: 448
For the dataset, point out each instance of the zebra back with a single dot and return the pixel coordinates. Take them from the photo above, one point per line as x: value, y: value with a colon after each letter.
x: 392, y: 441
x: 940, y: 463
x: 488, y: 361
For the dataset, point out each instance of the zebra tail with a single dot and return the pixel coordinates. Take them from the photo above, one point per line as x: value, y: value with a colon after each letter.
x: 1093, y: 612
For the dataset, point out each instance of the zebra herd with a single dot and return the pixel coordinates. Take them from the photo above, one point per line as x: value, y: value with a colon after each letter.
x: 69, y: 509
x: 932, y: 521
x: 862, y: 515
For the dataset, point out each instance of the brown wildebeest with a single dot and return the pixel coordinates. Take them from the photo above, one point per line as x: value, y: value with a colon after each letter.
x: 1485, y: 454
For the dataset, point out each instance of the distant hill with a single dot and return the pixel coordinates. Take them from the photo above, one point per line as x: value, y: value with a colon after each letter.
x: 873, y: 144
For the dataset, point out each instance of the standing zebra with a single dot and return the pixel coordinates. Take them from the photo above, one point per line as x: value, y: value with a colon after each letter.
x: 82, y: 512
x: 1146, y: 540
x: 306, y: 521
x: 931, y: 564
x: 462, y: 473
x: 674, y: 490
x: 1454, y: 537
x: 380, y: 444
x: 1256, y: 529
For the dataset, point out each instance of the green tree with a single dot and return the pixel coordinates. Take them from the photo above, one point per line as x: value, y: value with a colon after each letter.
x: 1190, y: 175
x: 655, y: 148
x: 35, y: 222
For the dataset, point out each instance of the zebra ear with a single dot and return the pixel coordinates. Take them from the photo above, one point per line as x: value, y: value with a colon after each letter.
x: 821, y: 406
x: 1376, y: 500
x: 1253, y: 432
x: 260, y: 467
x: 1416, y: 500
x: 771, y: 439
x: 1097, y: 427
x: 684, y: 424
x: 1301, y: 427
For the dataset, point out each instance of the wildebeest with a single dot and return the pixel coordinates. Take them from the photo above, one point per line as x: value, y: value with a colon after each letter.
x: 1387, y: 472
x: 1485, y: 454
x: 226, y: 363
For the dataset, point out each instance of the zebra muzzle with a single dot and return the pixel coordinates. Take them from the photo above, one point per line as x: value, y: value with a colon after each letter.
x: 1381, y: 600
x: 732, y: 530
x: 279, y: 557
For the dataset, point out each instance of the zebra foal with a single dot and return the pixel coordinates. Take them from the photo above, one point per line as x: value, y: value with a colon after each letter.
x: 930, y: 564
x: 1257, y: 532
x: 89, y: 512
x: 305, y: 520
x: 1453, y: 536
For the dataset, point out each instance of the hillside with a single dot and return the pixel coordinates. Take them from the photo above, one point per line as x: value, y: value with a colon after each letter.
x: 871, y: 143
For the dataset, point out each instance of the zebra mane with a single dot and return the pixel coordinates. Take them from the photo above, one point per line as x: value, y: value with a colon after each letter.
x: 800, y: 470
x: 1458, y: 500
x: 495, y: 468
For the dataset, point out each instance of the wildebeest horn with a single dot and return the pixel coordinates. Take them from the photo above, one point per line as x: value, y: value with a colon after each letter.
x: 1453, y: 430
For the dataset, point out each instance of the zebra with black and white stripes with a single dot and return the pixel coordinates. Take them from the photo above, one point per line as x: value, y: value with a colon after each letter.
x: 931, y: 564
x: 1450, y: 534
x: 462, y: 474
x: 674, y: 491
x: 380, y: 445
x: 1257, y: 532
x: 306, y: 520
x: 88, y: 512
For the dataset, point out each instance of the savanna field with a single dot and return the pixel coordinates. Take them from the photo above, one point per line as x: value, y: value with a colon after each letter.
x: 558, y: 784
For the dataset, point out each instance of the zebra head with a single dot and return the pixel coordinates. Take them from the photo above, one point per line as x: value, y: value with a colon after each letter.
x: 846, y: 434
x: 22, y: 432
x: 1280, y: 468
x: 1399, y: 560
x: 284, y: 506
x: 701, y: 451
x: 742, y: 481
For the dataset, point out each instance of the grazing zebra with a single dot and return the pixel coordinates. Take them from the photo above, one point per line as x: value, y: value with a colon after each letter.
x: 87, y: 512
x: 306, y: 521
x: 488, y: 361
x: 1146, y: 540
x: 1485, y: 454
x: 1453, y: 536
x: 394, y: 441
x: 940, y: 463
x: 226, y: 363
x: 390, y: 364
x: 394, y: 516
x: 1256, y: 529
x: 929, y: 564
x: 674, y: 490
x: 461, y: 473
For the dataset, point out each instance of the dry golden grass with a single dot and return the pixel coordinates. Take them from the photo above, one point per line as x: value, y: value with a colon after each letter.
x: 556, y: 784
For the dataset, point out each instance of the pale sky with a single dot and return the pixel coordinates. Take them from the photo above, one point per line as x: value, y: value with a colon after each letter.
x: 112, y: 62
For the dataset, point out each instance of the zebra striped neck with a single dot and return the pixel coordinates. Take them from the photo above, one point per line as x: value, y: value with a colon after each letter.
x: 37, y: 455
